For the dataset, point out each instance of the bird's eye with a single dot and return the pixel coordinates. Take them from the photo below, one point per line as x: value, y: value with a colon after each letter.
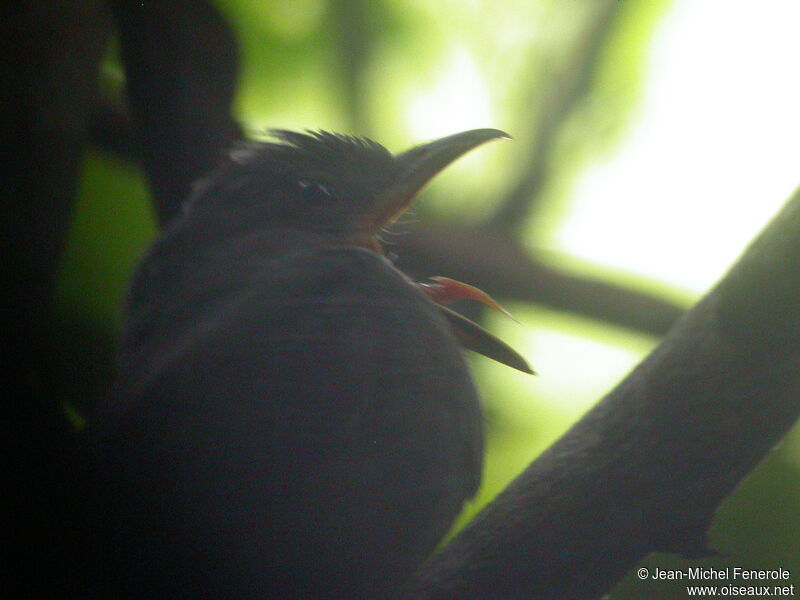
x: 315, y: 190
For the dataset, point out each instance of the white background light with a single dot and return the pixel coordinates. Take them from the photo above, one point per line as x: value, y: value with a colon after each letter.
x: 713, y: 154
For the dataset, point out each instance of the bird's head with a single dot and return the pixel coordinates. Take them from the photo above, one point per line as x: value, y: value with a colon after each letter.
x: 341, y: 188
x: 344, y: 190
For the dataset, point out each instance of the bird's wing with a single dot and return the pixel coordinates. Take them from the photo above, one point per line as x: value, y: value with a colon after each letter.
x: 319, y: 414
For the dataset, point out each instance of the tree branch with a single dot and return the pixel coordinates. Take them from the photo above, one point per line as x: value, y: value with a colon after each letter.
x: 499, y: 265
x: 47, y: 103
x: 54, y: 53
x: 181, y: 67
x: 646, y: 468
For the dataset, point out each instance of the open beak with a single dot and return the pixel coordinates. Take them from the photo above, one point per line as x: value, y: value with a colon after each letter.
x: 468, y: 333
x: 474, y: 337
x: 415, y: 168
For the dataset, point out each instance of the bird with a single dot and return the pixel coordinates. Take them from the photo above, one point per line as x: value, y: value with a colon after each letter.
x: 292, y: 415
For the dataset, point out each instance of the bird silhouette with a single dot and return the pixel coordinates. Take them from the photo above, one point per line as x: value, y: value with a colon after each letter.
x: 292, y: 417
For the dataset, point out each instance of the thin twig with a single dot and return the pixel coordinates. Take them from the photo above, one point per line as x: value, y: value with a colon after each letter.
x: 566, y: 94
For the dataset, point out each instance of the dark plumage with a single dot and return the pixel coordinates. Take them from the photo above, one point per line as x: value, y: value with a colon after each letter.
x: 293, y: 417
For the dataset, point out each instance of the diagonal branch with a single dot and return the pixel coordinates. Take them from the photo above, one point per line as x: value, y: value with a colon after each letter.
x: 645, y: 469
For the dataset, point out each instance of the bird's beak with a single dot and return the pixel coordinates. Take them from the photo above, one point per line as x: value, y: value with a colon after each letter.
x: 474, y: 337
x: 417, y: 166
x: 468, y: 333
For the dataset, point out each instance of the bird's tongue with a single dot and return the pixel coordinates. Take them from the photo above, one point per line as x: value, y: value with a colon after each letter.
x: 444, y: 291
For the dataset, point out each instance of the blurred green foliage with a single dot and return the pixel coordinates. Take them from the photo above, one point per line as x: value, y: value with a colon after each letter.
x: 422, y: 69
x: 113, y: 223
